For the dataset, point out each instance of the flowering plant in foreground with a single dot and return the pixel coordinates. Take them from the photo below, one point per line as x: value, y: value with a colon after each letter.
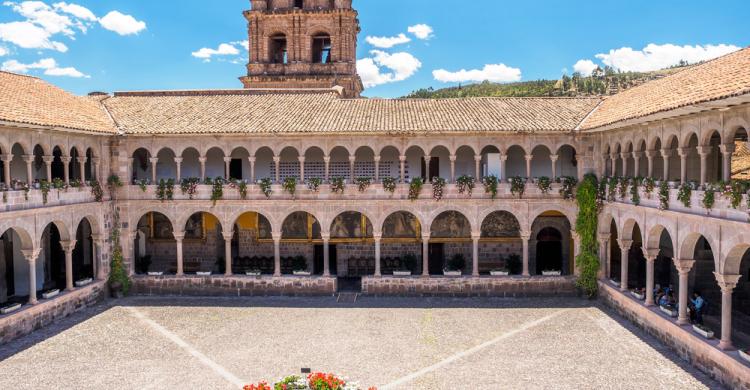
x: 314, y: 381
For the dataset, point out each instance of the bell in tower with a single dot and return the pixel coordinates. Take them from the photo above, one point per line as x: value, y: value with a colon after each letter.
x: 302, y: 44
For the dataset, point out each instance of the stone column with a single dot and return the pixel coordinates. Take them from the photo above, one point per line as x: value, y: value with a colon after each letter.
x: 48, y: 162
x: 525, y: 237
x: 665, y: 155
x: 352, y: 161
x: 529, y: 157
x: 624, y: 257
x: 29, y: 160
x: 81, y: 169
x: 377, y: 169
x: 327, y: 161
x: 68, y: 247
x: 726, y: 162
x: 203, y: 160
x: 624, y: 157
x: 650, y: 154
x: 31, y: 256
x: 553, y: 159
x: 127, y: 243
x: 703, y: 152
x: 650, y: 260
x: 131, y: 171
x: 6, y: 158
x: 326, y: 254
x: 452, y: 159
x: 95, y: 168
x: 99, y: 241
x: 683, y: 268
x: 66, y: 168
x: 613, y: 163
x: 178, y: 163
x: 402, y: 167
x: 251, y: 160
x: 277, y: 164
x: 178, y: 237
x: 427, y: 159
x: 683, y: 152
x: 378, y: 237
x: 576, y: 251
x: 637, y: 163
x: 277, y: 254
x: 503, y: 159
x: 228, y: 252
x: 227, y: 163
x: 301, y: 160
x: 604, y: 255
x: 727, y: 283
x: 153, y: 161
x: 425, y: 255
x: 475, y: 254
x: 478, y: 166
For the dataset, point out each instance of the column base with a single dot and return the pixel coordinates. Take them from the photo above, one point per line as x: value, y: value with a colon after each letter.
x: 228, y: 274
x: 650, y: 304
x: 726, y: 345
x: 683, y: 321
x: 423, y: 276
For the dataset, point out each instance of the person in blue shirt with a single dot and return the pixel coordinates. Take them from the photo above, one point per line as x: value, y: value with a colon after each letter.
x: 698, y: 305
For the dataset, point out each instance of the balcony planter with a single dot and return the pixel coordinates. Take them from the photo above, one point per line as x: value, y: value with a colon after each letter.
x: 203, y: 273
x: 451, y: 273
x: 252, y: 273
x: 551, y: 273
x: 614, y: 282
x: 401, y: 273
x: 155, y: 273
x: 10, y: 308
x: 638, y: 295
x: 703, y: 331
x: 302, y: 273
x: 745, y: 355
x: 499, y: 273
x: 84, y: 282
x: 669, y: 310
x: 51, y: 293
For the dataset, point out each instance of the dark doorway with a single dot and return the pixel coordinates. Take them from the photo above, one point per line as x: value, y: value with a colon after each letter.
x: 56, y: 278
x: 436, y: 259
x: 235, y: 169
x: 349, y: 284
x: 318, y: 259
x: 9, y: 280
x: 83, y: 253
x: 549, y: 251
x: 434, y: 169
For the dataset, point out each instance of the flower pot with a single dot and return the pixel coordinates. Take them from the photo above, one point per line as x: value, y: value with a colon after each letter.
x: 301, y: 273
x: 451, y: 273
x: 155, y: 273
x: 252, y: 273
x: 551, y: 273
x: 203, y: 273
x: 499, y: 273
x: 707, y: 334
x: 51, y: 294
x: 401, y: 273
x: 84, y: 282
x: 614, y: 283
x: 745, y: 355
x: 10, y: 308
x: 115, y: 290
x: 670, y: 311
x: 638, y: 295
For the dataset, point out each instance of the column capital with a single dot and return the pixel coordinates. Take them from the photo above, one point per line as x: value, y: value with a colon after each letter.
x: 402, y: 158
x: 426, y: 236
x: 614, y: 156
x: 625, y: 155
x: 28, y: 158
x: 326, y: 159
x: 152, y: 160
x: 179, y: 236
x: 727, y: 283
x: 703, y: 150
x: 202, y: 159
x: 276, y: 236
x: 529, y: 157
x: 683, y: 152
x: 352, y: 158
x: 96, y: 160
x: 427, y: 158
x: 251, y: 159
x: 603, y: 236
x: 553, y: 157
x: 68, y: 159
x: 301, y: 159
x: 637, y: 154
x: 727, y: 148
x: 178, y: 160
x: 503, y: 157
x: 453, y: 157
x: 666, y: 153
x: 31, y: 254
x: 377, y: 158
x: 624, y: 244
x: 68, y: 246
x: 475, y: 236
x: 525, y: 235
x: 98, y: 238
x: 48, y: 159
x: 82, y: 160
x: 6, y: 157
x: 650, y: 253
x: 683, y: 266
x: 227, y: 235
x: 377, y: 236
x: 325, y: 236
x: 227, y: 159
x: 651, y: 153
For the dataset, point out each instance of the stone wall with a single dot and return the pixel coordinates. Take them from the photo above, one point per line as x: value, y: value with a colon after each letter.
x: 511, y: 287
x: 30, y: 318
x: 233, y: 286
x: 703, y: 354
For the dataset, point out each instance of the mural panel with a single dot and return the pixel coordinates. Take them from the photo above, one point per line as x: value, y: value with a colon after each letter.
x: 451, y: 224
x: 501, y: 224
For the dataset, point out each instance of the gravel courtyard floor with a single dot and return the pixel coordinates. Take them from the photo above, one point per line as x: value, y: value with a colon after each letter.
x: 391, y: 343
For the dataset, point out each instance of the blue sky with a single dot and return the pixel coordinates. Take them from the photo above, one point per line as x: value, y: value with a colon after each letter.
x: 147, y: 44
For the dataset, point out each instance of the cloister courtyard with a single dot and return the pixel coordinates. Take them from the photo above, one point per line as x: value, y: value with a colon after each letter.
x: 391, y: 343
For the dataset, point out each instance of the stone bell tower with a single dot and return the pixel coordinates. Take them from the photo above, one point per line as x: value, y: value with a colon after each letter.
x: 301, y: 44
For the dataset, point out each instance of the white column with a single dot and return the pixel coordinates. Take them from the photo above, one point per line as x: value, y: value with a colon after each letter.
x: 727, y: 283
x: 503, y: 174
x: 99, y: 241
x: 576, y: 251
x: 650, y: 260
x: 277, y: 254
x: 31, y: 256
x: 613, y: 162
x: 637, y: 163
x: 227, y: 163
x: 6, y: 158
x: 378, y: 237
x: 525, y: 237
x: 650, y: 154
x: 352, y: 160
x: 624, y: 157
x: 251, y: 160
x: 425, y: 255
x: 326, y: 254
x: 178, y: 237
x: 427, y: 160
x: 529, y: 157
x: 81, y: 170
x: 478, y: 166
x: 624, y: 257
x: 68, y: 247
x: 301, y: 160
x: 683, y: 268
x: 453, y: 168
x: 277, y: 163
x: 203, y: 160
x: 665, y: 155
x: 95, y: 168
x: 29, y: 160
x: 553, y: 159
x: 683, y: 152
x: 726, y: 162
x: 178, y: 163
x: 228, y: 252
x: 327, y: 161
x: 475, y: 254
x: 153, y: 161
x: 604, y: 256
x: 66, y: 168
x: 703, y: 152
x: 377, y: 169
x: 402, y: 167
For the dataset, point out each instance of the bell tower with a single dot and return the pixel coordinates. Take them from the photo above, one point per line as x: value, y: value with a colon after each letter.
x: 300, y: 44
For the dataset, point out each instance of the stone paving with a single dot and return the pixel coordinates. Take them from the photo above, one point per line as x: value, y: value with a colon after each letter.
x: 399, y: 343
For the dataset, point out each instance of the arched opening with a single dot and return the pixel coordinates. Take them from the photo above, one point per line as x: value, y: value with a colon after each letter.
x: 567, y: 162
x: 215, y: 166
x: 155, y: 249
x: 615, y: 253
x: 277, y: 51
x: 740, y: 164
x: 203, y: 245
x: 364, y: 163
x: 640, y: 155
x: 14, y: 280
x: 339, y: 164
x: 693, y: 161
x: 500, y: 245
x: 321, y: 49
x: 191, y: 166
x: 88, y: 167
x: 703, y: 282
x: 550, y: 246
x: 491, y: 163
x: 450, y: 241
x: 239, y: 166
x: 315, y: 166
x: 252, y: 245
x: 636, y: 261
x: 658, y: 161
x: 352, y: 242
x: 415, y: 166
x: 51, y: 267
x: 289, y: 167
x: 38, y: 167
x: 541, y: 162
x: 670, y: 147
x: 299, y: 4
x: 166, y: 167
x: 74, y: 166
x: 515, y: 165
x: 714, y: 159
x: 465, y: 165
x: 619, y: 163
x: 629, y: 161
x: 265, y: 168
x: 440, y: 163
x: 390, y: 165
x: 666, y: 276
x: 141, y: 169
x: 17, y: 165
x: 58, y: 167
x: 400, y: 248
x: 301, y: 240
x: 83, y: 253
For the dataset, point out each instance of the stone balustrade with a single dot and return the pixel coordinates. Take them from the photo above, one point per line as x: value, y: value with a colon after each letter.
x: 17, y: 200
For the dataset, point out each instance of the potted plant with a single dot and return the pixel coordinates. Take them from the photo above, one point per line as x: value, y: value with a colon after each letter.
x: 551, y: 272
x: 465, y: 185
x: 703, y: 331
x: 669, y: 310
x: 265, y: 187
x: 51, y: 293
x: 638, y: 294
x: 253, y: 272
x: 203, y: 273
x: 10, y: 308
x: 299, y: 266
x: 290, y: 186
x: 338, y: 185
x: 84, y: 282
x: 455, y: 265
x: 544, y: 184
x: 363, y: 183
x: 405, y: 265
x: 389, y: 184
x: 745, y: 355
x: 314, y: 184
x: 500, y: 272
x: 415, y: 188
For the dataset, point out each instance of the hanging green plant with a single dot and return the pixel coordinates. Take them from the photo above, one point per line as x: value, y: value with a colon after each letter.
x: 415, y: 188
x: 363, y: 183
x: 568, y: 186
x: 59, y: 184
x: 664, y: 195
x: 113, y: 183
x: 265, y: 187
x: 389, y: 184
x: 118, y: 274
x: 44, y: 186
x: 242, y: 189
x: 466, y: 184
x: 709, y: 198
x: 490, y: 185
x: 544, y: 184
x: 438, y: 185
x: 314, y: 184
x: 649, y: 184
x: 623, y: 187
x: 635, y: 195
x: 217, y: 190
x: 684, y: 194
x: 97, y: 191
x: 586, y: 227
x: 601, y: 194
x: 289, y: 185
x: 338, y: 185
x: 734, y: 192
x: 189, y: 186
x: 612, y: 189
x: 517, y: 186
x: 142, y: 183
x: 165, y: 190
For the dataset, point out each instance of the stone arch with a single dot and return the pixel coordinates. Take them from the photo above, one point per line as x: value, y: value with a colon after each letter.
x: 154, y: 244
x: 27, y: 242
x: 629, y: 229
x: 688, y: 243
x: 141, y: 166
x: 550, y: 243
x: 733, y: 259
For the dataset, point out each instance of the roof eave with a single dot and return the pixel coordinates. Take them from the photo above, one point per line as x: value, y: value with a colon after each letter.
x: 31, y: 126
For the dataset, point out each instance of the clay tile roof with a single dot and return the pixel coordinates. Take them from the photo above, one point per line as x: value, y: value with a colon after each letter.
x: 29, y: 100
x: 721, y: 78
x: 241, y: 112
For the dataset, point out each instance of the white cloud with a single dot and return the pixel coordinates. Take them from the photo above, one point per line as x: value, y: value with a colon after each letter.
x: 29, y: 36
x: 225, y: 49
x: 3, y: 51
x: 421, y: 31
x: 76, y: 10
x: 388, y: 42
x: 400, y: 66
x: 655, y: 57
x: 585, y: 67
x: 497, y: 73
x: 49, y: 65
x: 44, y: 16
x: 121, y: 23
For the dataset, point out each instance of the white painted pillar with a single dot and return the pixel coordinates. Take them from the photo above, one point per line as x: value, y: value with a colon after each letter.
x: 525, y: 237
x: 178, y: 238
x: 6, y: 158
x: 478, y: 166
x: 624, y: 257
x: 427, y: 160
x: 377, y: 169
x: 68, y: 247
x: 251, y: 160
x: 378, y: 237
x: 665, y: 155
x: 683, y: 152
x: 326, y: 255
x: 99, y: 241
x: 613, y: 163
x: 66, y: 167
x: 624, y: 157
x: 503, y: 174
x: 637, y: 163
x: 650, y: 154
x: 402, y: 167
x: 153, y: 161
x: 277, y: 164
x: 475, y: 254
x: 95, y: 168
x: 301, y: 160
x: 553, y: 159
x: 327, y: 161
x: 603, y: 256
x: 425, y: 255
x: 203, y: 160
x: 683, y: 268
x: 352, y: 161
x: 228, y: 252
x: 452, y: 159
x: 650, y: 260
x: 29, y: 160
x: 227, y: 164
x: 529, y: 157
x: 727, y: 151
x: 31, y: 256
x: 727, y: 283
x: 277, y: 254
x: 703, y: 152
x: 178, y: 163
